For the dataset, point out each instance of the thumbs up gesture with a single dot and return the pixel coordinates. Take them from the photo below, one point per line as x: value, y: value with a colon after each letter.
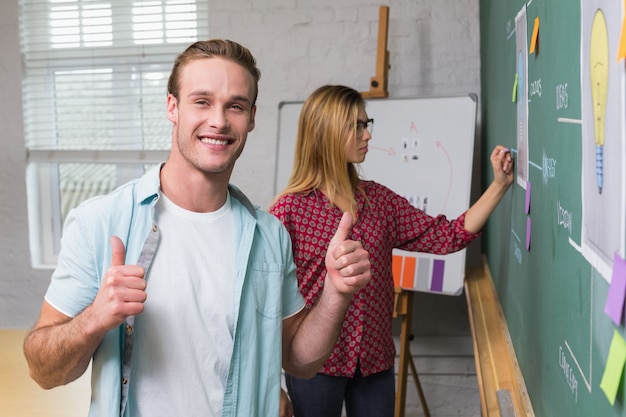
x: 347, y: 263
x: 122, y: 291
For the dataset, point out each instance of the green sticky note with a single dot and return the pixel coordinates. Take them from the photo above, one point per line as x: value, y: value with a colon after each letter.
x: 614, y: 367
x: 514, y: 94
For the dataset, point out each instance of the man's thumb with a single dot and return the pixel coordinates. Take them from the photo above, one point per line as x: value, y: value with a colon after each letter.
x: 345, y: 225
x: 118, y: 251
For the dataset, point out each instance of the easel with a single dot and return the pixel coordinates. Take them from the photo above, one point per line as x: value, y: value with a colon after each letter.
x: 403, y: 308
x: 378, y: 83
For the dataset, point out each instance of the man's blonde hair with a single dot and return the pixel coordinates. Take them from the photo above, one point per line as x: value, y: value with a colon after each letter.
x: 214, y: 48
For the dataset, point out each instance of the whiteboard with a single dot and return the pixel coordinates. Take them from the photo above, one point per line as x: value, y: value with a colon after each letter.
x: 423, y: 149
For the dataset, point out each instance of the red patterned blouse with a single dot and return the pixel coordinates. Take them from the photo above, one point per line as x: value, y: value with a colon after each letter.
x: 386, y: 221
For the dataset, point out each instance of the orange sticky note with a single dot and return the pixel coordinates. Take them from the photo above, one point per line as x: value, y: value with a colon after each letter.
x: 533, y: 42
x: 621, y: 51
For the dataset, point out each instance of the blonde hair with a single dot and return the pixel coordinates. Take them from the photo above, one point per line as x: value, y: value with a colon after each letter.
x: 326, y: 130
x: 210, y: 48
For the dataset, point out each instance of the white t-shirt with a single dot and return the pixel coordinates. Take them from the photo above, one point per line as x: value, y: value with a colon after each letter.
x: 184, y: 337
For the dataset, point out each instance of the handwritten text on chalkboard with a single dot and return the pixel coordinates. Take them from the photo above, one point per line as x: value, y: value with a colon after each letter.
x: 568, y: 372
x: 561, y: 96
x: 564, y: 217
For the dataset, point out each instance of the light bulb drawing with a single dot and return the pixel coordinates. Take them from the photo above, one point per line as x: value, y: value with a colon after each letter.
x: 599, y: 74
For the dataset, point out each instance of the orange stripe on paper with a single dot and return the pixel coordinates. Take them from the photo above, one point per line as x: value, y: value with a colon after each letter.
x: 408, y: 274
x: 396, y: 269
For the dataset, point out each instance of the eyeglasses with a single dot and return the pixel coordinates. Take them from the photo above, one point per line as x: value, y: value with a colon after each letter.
x: 362, y: 125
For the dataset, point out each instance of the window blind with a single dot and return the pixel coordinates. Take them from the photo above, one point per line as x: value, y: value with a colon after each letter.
x: 94, y: 99
x: 96, y: 71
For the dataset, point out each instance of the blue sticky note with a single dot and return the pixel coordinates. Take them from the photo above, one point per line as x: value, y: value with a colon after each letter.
x: 614, y: 306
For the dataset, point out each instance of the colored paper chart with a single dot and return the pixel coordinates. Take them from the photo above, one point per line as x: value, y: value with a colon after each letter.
x: 419, y: 273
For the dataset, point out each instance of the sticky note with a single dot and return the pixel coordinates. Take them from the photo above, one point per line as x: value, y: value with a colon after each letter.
x: 614, y: 306
x: 514, y: 94
x: 621, y: 50
x: 528, y: 233
x: 527, y: 207
x: 533, y: 40
x: 614, y: 368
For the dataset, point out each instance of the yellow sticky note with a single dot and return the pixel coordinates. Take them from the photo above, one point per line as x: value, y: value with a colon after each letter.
x: 614, y: 368
x: 533, y: 41
x: 514, y: 93
x: 621, y: 51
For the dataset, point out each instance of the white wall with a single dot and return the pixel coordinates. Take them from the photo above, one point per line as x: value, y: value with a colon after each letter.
x: 299, y: 45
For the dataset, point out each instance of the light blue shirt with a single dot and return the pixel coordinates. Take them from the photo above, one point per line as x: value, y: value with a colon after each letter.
x: 266, y: 291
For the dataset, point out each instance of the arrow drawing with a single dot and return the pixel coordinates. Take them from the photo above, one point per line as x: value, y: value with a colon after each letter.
x: 445, y: 201
x: 390, y: 151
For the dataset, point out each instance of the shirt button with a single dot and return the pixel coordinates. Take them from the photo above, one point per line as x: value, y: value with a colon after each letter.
x: 129, y: 329
x: 154, y: 227
x: 124, y: 381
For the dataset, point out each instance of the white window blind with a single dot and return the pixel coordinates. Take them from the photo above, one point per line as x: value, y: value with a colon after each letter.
x: 94, y: 96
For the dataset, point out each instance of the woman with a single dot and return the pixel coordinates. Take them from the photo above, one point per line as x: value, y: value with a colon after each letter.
x: 333, y: 134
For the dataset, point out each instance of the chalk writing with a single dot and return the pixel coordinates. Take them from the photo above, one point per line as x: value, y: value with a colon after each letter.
x: 568, y: 372
x: 548, y: 168
x: 535, y: 88
x: 561, y: 96
x: 564, y: 217
x: 517, y: 253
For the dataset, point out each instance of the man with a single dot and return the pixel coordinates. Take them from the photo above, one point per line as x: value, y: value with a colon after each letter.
x: 175, y: 285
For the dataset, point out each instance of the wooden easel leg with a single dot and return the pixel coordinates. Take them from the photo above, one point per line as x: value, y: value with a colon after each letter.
x: 420, y: 392
x: 404, y: 309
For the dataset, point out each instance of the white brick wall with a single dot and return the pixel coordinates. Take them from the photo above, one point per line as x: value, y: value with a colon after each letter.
x: 299, y: 45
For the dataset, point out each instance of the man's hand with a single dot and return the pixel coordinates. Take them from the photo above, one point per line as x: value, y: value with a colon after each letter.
x: 123, y: 290
x: 309, y: 337
x: 59, y: 348
x: 347, y: 263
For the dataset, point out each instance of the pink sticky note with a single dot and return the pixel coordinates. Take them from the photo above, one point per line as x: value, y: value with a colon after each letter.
x: 527, y: 197
x: 614, y: 306
x: 528, y: 233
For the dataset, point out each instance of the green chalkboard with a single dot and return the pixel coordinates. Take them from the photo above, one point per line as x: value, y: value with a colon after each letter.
x: 551, y: 244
